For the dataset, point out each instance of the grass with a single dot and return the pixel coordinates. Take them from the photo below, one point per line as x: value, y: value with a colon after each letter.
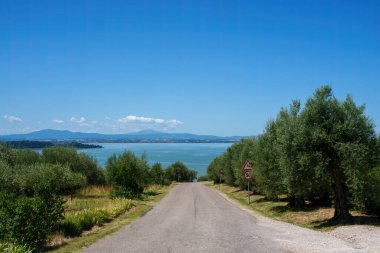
x: 11, y: 248
x: 98, y: 215
x: 318, y: 218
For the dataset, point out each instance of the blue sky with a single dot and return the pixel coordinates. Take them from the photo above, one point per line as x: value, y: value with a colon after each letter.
x: 207, y: 67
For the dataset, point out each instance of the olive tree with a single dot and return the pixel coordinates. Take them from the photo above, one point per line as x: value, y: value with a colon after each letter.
x: 339, y: 139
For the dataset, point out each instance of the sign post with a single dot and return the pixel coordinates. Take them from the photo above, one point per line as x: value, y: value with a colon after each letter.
x: 247, y: 170
x: 221, y: 172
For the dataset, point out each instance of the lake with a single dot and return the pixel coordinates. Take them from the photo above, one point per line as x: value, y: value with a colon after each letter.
x: 197, y: 156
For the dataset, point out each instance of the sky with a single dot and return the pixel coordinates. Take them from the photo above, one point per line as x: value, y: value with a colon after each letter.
x: 205, y: 67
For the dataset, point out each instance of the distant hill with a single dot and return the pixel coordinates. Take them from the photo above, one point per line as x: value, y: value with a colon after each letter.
x: 142, y: 136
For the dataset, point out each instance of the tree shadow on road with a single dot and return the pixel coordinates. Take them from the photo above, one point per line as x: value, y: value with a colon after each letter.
x: 356, y: 220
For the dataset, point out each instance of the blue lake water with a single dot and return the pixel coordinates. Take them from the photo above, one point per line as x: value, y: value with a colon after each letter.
x: 197, y: 156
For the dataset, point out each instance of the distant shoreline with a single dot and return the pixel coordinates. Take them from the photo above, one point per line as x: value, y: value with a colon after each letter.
x: 159, y: 141
x: 46, y: 144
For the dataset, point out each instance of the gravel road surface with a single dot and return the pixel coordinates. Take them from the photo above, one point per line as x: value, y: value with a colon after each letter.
x: 192, y: 218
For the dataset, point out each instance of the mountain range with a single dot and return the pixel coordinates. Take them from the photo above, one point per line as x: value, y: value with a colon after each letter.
x: 142, y: 136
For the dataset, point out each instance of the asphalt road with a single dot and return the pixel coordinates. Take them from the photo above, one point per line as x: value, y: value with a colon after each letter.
x: 192, y: 218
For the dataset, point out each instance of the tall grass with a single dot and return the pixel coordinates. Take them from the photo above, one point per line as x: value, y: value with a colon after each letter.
x: 92, y: 207
x: 11, y: 248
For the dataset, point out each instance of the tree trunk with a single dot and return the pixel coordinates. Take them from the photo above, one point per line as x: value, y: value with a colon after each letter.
x: 296, y: 202
x: 340, y: 197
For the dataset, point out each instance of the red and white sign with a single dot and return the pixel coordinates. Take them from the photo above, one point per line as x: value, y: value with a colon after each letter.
x: 247, y: 166
x: 247, y: 175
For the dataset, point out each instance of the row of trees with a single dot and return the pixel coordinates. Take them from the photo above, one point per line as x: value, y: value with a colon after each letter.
x: 32, y: 186
x: 325, y: 153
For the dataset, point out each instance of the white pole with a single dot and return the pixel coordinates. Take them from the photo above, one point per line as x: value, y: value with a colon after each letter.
x: 249, y: 195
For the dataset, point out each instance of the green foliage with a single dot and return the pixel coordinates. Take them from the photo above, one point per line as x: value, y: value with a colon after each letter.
x: 6, y: 154
x: 38, y: 178
x: 157, y: 174
x: 28, y: 221
x: 371, y: 193
x: 267, y: 168
x: 340, y: 141
x: 203, y: 178
x: 323, y: 152
x: 80, y: 163
x: 128, y: 173
x: 12, y: 248
x: 7, y: 181
x: 90, y: 168
x: 25, y: 156
x: 179, y: 172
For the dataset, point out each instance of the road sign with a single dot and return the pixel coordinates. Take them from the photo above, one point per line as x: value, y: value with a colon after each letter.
x: 247, y: 166
x: 221, y: 171
x: 247, y: 175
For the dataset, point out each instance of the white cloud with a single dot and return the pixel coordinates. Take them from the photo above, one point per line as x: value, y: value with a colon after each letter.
x: 12, y: 119
x: 80, y: 120
x: 132, y: 118
x: 94, y: 122
x: 58, y: 121
x: 150, y: 121
x: 174, y: 123
x: 107, y: 118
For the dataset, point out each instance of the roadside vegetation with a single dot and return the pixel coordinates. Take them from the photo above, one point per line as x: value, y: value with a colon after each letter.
x: 61, y: 194
x: 325, y: 154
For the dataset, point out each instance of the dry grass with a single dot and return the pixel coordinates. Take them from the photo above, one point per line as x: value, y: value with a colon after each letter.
x: 96, y: 199
x: 95, y: 191
x: 318, y: 218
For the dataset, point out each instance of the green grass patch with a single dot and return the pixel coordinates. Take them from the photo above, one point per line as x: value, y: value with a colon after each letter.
x: 11, y: 248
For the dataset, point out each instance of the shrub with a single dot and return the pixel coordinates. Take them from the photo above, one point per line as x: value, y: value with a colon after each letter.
x: 202, y: 178
x: 81, y: 163
x: 6, y: 177
x: 29, y: 221
x: 56, y: 178
x: 179, y: 172
x: 372, y: 192
x: 157, y: 175
x: 25, y: 156
x: 128, y: 173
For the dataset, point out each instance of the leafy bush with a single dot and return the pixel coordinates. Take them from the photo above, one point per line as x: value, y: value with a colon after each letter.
x: 56, y: 178
x: 157, y: 174
x: 29, y: 221
x: 372, y: 192
x: 25, y: 156
x: 78, y: 163
x: 179, y: 172
x: 128, y: 173
x: 202, y: 178
x: 6, y: 177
